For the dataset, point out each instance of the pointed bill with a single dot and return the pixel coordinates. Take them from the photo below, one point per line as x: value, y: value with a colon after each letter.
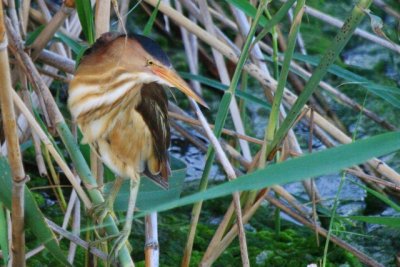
x: 170, y: 76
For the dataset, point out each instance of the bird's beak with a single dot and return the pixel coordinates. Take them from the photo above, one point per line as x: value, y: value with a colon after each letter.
x: 170, y: 76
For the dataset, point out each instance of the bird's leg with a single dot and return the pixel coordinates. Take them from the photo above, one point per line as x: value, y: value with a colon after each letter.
x: 126, y: 230
x: 101, y: 210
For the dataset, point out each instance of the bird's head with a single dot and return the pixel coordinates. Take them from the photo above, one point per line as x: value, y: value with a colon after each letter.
x: 141, y: 57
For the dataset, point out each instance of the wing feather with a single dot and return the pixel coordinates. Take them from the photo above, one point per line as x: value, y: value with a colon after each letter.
x: 154, y: 110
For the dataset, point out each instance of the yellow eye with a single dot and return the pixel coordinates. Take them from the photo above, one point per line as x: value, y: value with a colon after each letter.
x: 150, y: 62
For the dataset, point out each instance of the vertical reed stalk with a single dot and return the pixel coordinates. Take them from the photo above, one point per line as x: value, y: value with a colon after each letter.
x: 102, y: 17
x: 14, y: 154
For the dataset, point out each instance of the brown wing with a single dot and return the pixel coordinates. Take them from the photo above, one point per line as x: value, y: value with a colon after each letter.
x: 154, y: 110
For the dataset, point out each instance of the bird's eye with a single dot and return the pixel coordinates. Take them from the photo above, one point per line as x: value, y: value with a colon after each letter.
x: 150, y: 62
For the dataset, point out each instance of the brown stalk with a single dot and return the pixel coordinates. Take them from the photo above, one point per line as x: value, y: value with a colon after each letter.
x: 14, y: 154
x: 24, y: 16
x: 51, y: 28
x: 209, y: 258
x: 62, y: 63
x: 13, y: 15
x: 34, y: 76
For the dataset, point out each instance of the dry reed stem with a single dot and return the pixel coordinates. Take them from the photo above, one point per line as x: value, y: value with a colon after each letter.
x: 55, y: 60
x: 224, y: 77
x: 35, y: 139
x: 342, y: 97
x: 235, y: 113
x: 13, y: 15
x: 222, y: 157
x: 73, y: 238
x: 210, y: 257
x: 24, y: 15
x: 231, y: 175
x: 102, y: 17
x: 254, y: 71
x: 76, y: 225
x: 51, y: 28
x: 34, y: 76
x: 224, y: 130
x: 14, y: 155
x: 367, y: 177
x: 46, y: 141
x: 124, y: 8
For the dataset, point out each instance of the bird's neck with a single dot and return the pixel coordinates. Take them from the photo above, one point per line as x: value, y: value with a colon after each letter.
x: 100, y: 90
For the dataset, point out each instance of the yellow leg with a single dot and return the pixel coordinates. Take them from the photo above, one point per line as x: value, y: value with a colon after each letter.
x: 102, y: 210
x: 126, y: 230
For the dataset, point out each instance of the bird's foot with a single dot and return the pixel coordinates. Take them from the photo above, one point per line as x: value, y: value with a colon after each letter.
x: 100, y: 211
x: 120, y: 241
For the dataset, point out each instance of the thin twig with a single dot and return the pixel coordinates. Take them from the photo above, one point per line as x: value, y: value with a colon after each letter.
x: 225, y: 131
x: 77, y: 240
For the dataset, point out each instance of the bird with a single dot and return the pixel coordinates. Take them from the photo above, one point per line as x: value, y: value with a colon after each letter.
x: 118, y: 101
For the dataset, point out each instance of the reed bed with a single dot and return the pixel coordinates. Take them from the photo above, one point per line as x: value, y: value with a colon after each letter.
x: 236, y: 53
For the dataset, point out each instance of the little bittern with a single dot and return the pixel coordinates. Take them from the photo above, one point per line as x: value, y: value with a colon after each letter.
x: 120, y: 106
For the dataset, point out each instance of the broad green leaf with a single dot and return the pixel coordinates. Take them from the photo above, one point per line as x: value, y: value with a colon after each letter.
x: 33, y: 216
x: 151, y: 195
x: 85, y: 14
x: 388, y: 93
x: 222, y: 87
x: 388, y: 221
x: 320, y: 163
